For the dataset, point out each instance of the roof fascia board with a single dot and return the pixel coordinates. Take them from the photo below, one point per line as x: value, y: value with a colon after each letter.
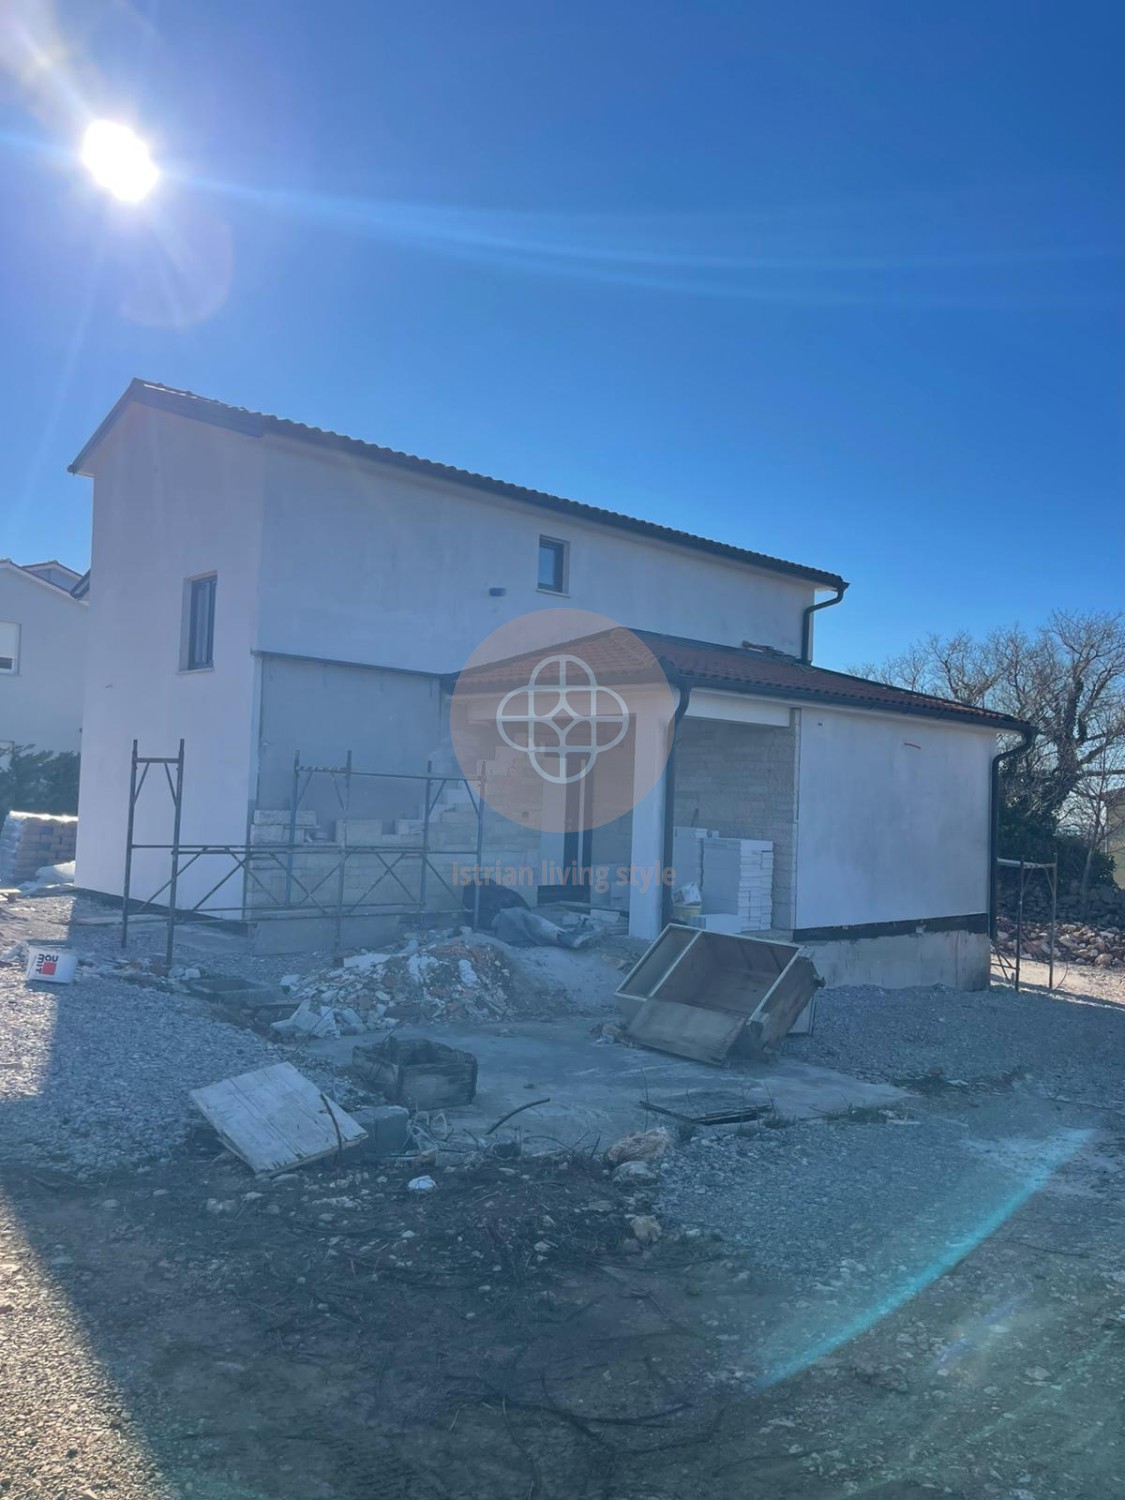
x: 798, y: 698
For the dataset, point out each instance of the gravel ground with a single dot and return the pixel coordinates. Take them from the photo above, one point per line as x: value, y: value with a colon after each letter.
x: 922, y: 1300
x: 96, y: 1074
x: 865, y: 1209
x: 873, y: 1196
x: 1071, y: 1043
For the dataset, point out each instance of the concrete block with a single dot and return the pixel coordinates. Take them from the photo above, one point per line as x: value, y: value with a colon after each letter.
x: 388, y: 1129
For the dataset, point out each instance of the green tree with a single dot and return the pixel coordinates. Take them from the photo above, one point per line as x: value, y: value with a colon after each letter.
x: 38, y: 781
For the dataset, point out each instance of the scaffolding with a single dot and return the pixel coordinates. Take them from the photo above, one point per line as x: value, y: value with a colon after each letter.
x: 1028, y: 868
x: 252, y: 861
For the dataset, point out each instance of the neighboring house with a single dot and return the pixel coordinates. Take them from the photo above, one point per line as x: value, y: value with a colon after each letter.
x: 266, y: 588
x: 42, y: 656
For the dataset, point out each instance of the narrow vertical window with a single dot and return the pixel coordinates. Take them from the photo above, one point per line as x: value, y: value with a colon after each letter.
x: 9, y: 646
x: 552, y: 565
x: 200, y: 624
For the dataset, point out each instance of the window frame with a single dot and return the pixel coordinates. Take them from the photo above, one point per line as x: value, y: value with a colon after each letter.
x: 560, y: 549
x: 17, y: 641
x: 193, y: 591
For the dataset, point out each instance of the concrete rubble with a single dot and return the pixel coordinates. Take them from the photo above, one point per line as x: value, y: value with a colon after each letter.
x: 450, y: 978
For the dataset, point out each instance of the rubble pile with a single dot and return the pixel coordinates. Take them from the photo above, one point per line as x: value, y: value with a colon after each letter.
x: 1075, y: 942
x: 446, y: 980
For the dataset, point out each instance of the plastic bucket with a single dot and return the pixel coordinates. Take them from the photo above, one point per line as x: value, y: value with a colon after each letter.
x: 51, y: 963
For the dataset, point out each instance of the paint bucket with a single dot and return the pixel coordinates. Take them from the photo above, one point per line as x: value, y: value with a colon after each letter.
x: 683, y: 911
x: 51, y: 963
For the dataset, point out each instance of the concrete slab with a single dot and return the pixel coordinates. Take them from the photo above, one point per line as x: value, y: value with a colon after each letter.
x: 598, y: 1090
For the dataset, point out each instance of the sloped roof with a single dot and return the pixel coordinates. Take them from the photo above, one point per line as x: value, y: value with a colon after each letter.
x: 48, y: 563
x: 38, y: 579
x: 258, y: 424
x: 614, y: 656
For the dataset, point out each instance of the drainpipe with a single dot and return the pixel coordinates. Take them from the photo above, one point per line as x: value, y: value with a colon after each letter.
x: 1027, y: 735
x: 684, y: 689
x: 806, y: 621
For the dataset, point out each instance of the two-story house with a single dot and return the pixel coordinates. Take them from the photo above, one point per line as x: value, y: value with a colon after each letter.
x: 268, y: 590
x: 42, y: 656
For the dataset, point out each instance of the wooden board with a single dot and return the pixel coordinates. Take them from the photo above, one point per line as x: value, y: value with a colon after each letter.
x: 686, y: 1030
x: 652, y: 966
x: 275, y: 1118
x: 784, y: 1003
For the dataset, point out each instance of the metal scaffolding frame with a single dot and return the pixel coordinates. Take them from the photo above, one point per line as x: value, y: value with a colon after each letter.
x: 1025, y: 868
x: 251, y: 861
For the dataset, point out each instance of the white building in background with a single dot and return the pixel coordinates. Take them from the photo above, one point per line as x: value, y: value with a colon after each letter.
x: 266, y: 588
x: 42, y: 656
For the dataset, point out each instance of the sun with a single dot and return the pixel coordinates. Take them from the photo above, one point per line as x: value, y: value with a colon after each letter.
x: 118, y: 161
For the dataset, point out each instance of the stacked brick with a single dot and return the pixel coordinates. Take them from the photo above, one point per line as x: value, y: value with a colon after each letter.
x: 29, y: 841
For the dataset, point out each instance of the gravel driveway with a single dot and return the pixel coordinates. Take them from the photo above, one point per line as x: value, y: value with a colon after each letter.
x: 1071, y: 1043
x: 96, y: 1074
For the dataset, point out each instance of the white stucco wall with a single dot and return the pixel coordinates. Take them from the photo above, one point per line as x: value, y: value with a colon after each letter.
x: 361, y: 563
x: 323, y: 556
x: 893, y: 819
x: 172, y: 499
x: 41, y: 703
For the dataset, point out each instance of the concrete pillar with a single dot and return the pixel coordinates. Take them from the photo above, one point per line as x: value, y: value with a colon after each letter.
x: 646, y: 896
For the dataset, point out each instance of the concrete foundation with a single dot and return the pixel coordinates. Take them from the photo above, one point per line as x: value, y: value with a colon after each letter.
x: 957, y: 959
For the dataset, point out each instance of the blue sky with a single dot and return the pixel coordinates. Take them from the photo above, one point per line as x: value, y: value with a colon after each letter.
x: 841, y: 282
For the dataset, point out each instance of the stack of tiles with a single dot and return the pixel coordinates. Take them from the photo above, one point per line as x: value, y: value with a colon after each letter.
x: 738, y: 880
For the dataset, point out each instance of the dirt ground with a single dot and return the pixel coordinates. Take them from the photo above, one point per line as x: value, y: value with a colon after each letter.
x: 188, y: 1331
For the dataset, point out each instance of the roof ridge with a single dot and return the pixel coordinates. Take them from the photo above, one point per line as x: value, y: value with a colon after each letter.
x: 178, y: 398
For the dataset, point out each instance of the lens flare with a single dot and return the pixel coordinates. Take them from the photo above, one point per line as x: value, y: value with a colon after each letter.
x: 118, y: 161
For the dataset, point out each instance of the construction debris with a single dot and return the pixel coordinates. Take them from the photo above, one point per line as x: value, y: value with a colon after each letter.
x: 644, y: 1145
x: 646, y: 1229
x: 418, y: 1072
x: 275, y: 1118
x: 445, y: 980
x: 527, y: 929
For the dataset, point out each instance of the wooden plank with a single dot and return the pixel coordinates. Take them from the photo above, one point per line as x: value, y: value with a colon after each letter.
x: 651, y: 969
x: 275, y: 1118
x: 686, y: 1030
x: 772, y: 1020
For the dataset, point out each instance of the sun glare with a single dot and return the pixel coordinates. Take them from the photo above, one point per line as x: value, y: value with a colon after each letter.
x: 119, y: 161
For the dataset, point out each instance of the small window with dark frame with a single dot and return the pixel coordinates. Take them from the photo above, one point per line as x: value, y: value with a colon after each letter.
x: 200, y: 641
x: 552, y: 565
x: 9, y: 647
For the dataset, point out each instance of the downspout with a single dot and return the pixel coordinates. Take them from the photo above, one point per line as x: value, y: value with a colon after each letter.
x: 1027, y: 735
x: 806, y: 620
x: 684, y: 689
